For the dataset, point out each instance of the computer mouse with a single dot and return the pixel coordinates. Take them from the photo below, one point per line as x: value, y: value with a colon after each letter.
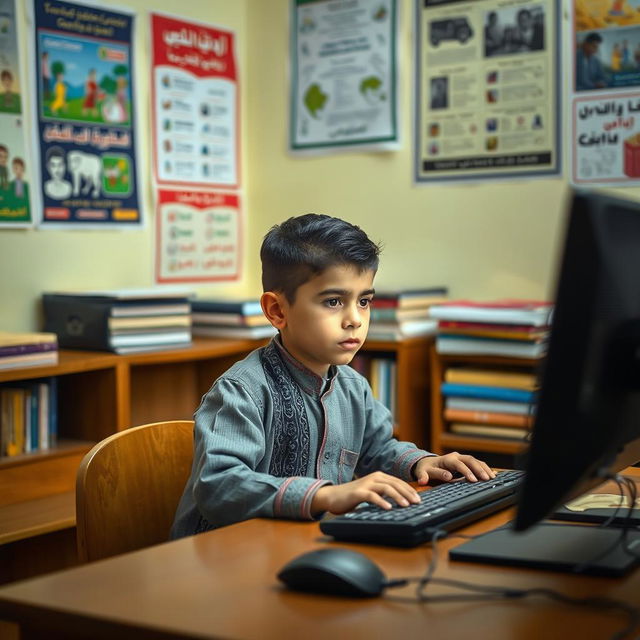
x: 336, y: 571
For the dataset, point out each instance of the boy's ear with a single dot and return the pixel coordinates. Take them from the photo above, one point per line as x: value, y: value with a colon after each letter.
x: 273, y: 308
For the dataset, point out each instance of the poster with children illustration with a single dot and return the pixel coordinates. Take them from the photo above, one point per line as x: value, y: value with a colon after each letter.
x: 195, y: 103
x: 15, y: 205
x: 605, y: 105
x: 84, y: 109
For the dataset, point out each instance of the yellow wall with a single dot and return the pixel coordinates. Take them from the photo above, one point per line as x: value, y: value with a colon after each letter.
x: 484, y: 240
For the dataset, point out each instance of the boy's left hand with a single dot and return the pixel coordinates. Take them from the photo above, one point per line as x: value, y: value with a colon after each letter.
x: 443, y: 467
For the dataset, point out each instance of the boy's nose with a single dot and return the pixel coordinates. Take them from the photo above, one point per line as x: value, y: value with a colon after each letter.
x: 352, y: 318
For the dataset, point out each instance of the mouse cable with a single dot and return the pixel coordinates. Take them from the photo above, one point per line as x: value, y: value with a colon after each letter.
x: 623, y: 539
x: 487, y: 592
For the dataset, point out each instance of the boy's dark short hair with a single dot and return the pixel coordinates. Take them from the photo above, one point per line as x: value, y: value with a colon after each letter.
x: 593, y: 37
x: 302, y: 247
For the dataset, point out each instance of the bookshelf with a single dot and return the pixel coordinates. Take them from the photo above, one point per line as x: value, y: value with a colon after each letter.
x: 443, y: 441
x: 100, y: 393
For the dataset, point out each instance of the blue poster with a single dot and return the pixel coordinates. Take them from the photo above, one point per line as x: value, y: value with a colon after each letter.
x: 86, y: 116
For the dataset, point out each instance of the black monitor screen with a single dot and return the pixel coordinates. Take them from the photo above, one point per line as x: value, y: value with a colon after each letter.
x: 587, y: 423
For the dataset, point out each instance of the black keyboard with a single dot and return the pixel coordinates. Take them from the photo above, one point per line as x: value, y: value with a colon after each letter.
x: 444, y: 507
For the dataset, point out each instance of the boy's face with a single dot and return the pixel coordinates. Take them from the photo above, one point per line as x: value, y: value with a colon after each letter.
x: 328, y: 322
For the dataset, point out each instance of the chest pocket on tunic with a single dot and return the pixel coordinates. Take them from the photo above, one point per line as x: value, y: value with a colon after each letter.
x: 346, y: 465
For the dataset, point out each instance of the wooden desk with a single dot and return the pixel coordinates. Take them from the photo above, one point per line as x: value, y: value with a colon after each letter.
x: 222, y: 584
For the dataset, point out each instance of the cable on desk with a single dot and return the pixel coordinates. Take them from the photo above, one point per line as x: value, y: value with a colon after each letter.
x: 486, y: 592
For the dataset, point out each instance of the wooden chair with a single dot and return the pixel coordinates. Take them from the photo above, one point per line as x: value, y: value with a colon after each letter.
x: 128, y: 487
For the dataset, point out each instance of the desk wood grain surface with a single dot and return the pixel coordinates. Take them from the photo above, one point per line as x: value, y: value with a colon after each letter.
x: 222, y: 584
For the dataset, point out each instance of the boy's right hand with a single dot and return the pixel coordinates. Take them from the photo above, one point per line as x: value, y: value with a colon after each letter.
x: 373, y: 488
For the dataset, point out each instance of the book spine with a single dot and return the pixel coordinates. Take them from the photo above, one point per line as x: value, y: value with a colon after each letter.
x: 21, y: 349
x: 492, y: 393
x: 525, y: 381
x: 53, y: 412
x: 488, y: 417
x: 489, y: 431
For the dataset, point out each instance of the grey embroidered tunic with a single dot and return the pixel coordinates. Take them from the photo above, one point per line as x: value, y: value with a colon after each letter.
x: 269, y: 433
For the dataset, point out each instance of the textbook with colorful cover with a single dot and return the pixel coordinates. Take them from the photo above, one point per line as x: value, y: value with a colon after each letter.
x: 501, y: 331
x: 489, y: 417
x: 486, y: 392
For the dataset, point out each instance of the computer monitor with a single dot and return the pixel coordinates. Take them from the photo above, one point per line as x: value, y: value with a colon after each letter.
x: 587, y: 423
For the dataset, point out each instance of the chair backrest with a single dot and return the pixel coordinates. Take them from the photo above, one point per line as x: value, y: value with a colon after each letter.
x: 128, y: 487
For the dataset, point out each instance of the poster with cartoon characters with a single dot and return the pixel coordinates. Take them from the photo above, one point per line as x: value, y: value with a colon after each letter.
x: 605, y: 101
x: 199, y: 236
x: 15, y: 170
x: 488, y: 97
x: 84, y: 109
x: 344, y: 75
x: 195, y: 103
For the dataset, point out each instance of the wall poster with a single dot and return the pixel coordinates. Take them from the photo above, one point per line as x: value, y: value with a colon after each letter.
x: 195, y: 103
x: 344, y: 75
x: 15, y: 165
x: 196, y: 151
x: 84, y: 111
x: 488, y: 96
x: 198, y: 236
x: 605, y: 100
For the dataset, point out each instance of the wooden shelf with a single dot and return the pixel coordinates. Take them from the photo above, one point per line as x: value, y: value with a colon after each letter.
x: 100, y: 393
x: 412, y: 384
x: 444, y: 441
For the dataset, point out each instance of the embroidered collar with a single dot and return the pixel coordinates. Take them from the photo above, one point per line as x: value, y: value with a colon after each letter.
x: 309, y: 382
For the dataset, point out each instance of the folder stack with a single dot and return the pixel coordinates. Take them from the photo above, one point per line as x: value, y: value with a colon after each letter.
x: 227, y: 318
x: 123, y: 321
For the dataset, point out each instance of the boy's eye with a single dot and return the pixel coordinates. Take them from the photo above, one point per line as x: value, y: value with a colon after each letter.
x: 365, y: 302
x: 332, y: 302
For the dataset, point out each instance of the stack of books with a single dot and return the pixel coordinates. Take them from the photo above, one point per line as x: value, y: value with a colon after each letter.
x: 19, y: 350
x: 513, y: 328
x: 225, y: 318
x: 123, y: 321
x: 28, y: 416
x: 396, y: 315
x: 487, y: 402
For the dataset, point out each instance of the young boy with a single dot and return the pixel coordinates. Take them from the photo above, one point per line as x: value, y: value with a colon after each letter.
x: 282, y: 432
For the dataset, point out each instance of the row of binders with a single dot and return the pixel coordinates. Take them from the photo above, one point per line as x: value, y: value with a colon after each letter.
x: 28, y: 416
